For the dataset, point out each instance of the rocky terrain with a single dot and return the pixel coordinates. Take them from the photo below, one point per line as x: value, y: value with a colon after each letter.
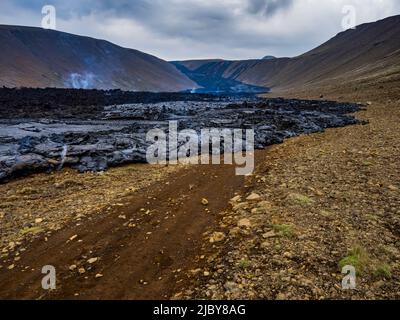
x: 326, y: 198
x: 315, y: 204
x: 116, y: 134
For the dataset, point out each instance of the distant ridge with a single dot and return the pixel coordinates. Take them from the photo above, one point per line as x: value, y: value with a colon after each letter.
x: 269, y: 58
x: 35, y: 57
x: 370, y: 51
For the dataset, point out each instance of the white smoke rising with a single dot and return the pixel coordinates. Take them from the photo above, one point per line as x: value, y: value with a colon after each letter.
x: 63, y: 156
x: 81, y: 81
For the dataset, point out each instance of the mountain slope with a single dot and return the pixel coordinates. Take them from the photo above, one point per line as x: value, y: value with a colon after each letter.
x: 370, y: 51
x: 35, y: 57
x: 210, y: 77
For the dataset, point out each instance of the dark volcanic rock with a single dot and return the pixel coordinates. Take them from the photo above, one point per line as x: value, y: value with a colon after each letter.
x: 76, y: 103
x: 116, y: 134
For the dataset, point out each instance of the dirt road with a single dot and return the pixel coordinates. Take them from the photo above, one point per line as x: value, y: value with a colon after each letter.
x: 137, y: 249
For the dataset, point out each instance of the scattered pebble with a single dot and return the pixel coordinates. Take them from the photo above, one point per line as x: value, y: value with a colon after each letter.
x: 244, y: 223
x: 217, y: 237
x: 253, y: 197
x: 93, y: 260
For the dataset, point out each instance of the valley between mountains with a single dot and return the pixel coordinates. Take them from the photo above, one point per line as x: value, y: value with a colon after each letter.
x: 315, y: 203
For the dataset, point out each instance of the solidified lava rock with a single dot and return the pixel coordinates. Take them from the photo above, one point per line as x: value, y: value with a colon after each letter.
x: 76, y: 103
x: 92, y: 130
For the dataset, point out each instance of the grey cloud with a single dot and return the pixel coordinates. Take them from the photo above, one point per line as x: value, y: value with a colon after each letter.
x: 200, y: 29
x: 268, y: 7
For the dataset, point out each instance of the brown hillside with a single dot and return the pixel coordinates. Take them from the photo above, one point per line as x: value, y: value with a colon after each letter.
x: 369, y: 52
x: 35, y: 57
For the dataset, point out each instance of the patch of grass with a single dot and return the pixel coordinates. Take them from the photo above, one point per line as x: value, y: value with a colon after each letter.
x: 6, y: 205
x: 27, y: 191
x: 357, y: 258
x: 390, y: 251
x: 372, y: 217
x: 383, y: 271
x: 244, y: 264
x: 325, y: 214
x: 33, y: 230
x: 69, y: 183
x: 301, y: 199
x: 283, y: 229
x: 12, y: 198
x: 367, y: 163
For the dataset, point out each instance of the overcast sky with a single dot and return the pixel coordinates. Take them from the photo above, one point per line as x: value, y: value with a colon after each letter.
x: 189, y: 29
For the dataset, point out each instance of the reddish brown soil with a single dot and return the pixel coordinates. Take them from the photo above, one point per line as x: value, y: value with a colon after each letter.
x: 140, y: 262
